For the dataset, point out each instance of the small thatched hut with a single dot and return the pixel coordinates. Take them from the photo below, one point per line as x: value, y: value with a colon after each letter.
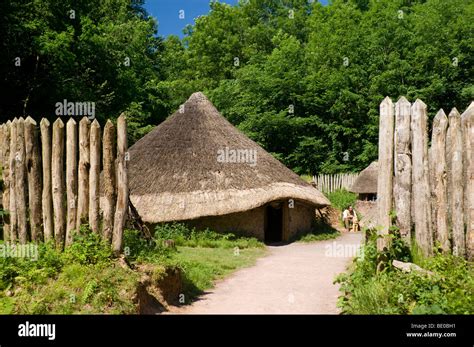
x: 198, y: 168
x: 366, y: 183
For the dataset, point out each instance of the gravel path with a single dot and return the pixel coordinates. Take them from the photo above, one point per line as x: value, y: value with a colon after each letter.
x: 294, y: 278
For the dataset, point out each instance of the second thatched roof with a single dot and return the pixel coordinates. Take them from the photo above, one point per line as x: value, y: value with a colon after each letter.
x: 175, y: 173
x: 366, y: 182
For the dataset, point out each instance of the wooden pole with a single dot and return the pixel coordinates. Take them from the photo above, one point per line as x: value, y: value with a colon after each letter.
x: 33, y: 166
x: 109, y: 179
x: 71, y: 179
x: 456, y: 181
x: 47, y: 197
x: 94, y: 175
x: 13, y: 214
x: 57, y: 180
x: 385, y: 174
x: 122, y: 185
x: 402, y: 178
x: 438, y: 185
x: 6, y: 180
x: 467, y: 121
x: 83, y: 178
x: 20, y: 182
x: 420, y: 178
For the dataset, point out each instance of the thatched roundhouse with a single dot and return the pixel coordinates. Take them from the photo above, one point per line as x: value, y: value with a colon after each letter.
x: 198, y: 168
x: 366, y: 183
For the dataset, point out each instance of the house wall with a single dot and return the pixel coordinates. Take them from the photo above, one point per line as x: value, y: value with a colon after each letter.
x: 252, y: 223
x: 249, y: 223
x: 300, y: 219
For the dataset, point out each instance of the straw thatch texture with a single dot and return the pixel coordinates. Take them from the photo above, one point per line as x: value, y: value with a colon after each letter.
x: 366, y: 183
x: 175, y: 173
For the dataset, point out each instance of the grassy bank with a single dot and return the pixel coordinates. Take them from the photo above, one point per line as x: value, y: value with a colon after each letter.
x: 86, y: 278
x: 448, y: 287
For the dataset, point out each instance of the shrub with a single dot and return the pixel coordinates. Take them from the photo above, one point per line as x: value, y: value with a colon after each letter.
x: 342, y: 198
x: 448, y: 290
x: 186, y: 236
x: 88, y: 247
x: 137, y: 248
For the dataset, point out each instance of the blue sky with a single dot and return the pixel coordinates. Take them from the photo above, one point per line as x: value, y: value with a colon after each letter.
x: 167, y: 13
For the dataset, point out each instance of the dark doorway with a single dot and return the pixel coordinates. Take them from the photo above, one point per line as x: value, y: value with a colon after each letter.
x: 274, y: 224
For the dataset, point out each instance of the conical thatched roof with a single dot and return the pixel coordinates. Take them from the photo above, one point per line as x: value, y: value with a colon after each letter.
x: 175, y: 173
x: 366, y: 182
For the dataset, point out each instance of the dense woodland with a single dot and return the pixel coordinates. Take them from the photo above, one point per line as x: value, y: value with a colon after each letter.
x: 302, y: 79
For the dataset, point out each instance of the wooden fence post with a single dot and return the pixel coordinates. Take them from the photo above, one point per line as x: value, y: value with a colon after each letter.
x: 6, y: 179
x: 385, y: 175
x: 438, y: 171
x: 122, y: 185
x: 402, y: 161
x: 455, y: 181
x: 20, y: 182
x: 33, y: 166
x: 13, y: 214
x: 467, y: 120
x: 84, y: 165
x: 109, y: 180
x: 420, y: 178
x: 94, y: 175
x: 71, y: 178
x: 47, y: 198
x: 57, y: 179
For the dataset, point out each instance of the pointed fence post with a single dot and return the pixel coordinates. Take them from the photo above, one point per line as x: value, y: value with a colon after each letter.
x: 122, y: 185
x: 455, y: 183
x: 20, y: 182
x: 6, y: 180
x: 71, y: 179
x: 47, y: 194
x: 385, y: 175
x: 402, y: 161
x: 109, y: 180
x: 94, y: 175
x: 33, y: 166
x: 83, y: 177
x: 467, y: 121
x: 57, y: 180
x: 438, y: 169
x: 420, y: 178
x: 13, y: 213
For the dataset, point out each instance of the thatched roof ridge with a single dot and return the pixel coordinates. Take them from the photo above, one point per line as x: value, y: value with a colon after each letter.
x: 175, y: 173
x: 366, y: 182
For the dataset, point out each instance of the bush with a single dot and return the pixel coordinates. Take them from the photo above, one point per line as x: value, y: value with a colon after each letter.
x: 137, y: 248
x: 342, y: 198
x: 448, y: 290
x: 87, y: 248
x: 190, y: 237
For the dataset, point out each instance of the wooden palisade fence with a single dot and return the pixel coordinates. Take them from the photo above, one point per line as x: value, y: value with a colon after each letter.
x: 431, y: 188
x: 51, y: 178
x: 330, y: 183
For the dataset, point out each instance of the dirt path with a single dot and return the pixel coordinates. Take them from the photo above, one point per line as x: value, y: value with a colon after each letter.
x: 295, y: 278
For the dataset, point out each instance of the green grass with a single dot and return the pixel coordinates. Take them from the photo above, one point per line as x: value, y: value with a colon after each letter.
x: 203, y: 266
x: 320, y: 231
x: 87, y: 279
x: 449, y: 290
x: 77, y: 289
x: 83, y: 279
